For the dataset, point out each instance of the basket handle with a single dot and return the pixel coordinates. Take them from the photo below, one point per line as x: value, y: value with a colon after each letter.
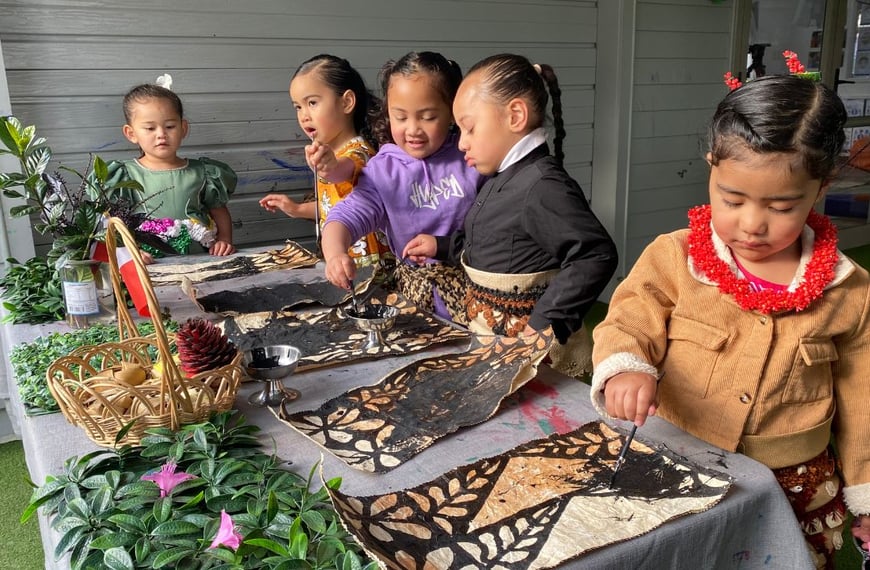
x: 171, y: 376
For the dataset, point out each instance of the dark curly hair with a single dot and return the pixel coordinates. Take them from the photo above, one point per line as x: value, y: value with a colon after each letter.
x: 445, y: 73
x: 146, y: 91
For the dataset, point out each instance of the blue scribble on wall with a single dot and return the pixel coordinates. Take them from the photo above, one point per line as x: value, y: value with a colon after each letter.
x: 107, y: 145
x: 274, y: 178
x: 288, y: 166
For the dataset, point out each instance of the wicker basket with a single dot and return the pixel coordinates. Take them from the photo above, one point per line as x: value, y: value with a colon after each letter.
x: 90, y: 395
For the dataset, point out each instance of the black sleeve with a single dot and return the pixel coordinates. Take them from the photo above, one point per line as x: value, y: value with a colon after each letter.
x: 557, y: 216
x: 449, y: 248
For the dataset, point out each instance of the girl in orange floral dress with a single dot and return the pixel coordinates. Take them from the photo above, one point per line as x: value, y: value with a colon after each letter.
x: 332, y: 106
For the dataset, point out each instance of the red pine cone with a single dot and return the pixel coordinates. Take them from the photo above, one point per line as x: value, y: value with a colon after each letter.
x: 202, y: 346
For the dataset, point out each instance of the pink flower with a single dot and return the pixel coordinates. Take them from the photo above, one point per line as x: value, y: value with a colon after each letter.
x: 227, y: 535
x: 167, y: 478
x: 157, y: 226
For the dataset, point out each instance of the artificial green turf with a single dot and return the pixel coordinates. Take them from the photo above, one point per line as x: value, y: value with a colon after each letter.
x: 20, y: 544
x: 861, y: 255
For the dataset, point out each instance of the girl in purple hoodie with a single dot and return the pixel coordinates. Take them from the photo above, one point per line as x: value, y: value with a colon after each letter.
x: 417, y: 183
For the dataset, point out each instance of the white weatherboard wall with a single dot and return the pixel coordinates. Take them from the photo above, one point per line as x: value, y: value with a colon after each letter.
x: 681, y: 52
x: 14, y: 242
x: 69, y: 63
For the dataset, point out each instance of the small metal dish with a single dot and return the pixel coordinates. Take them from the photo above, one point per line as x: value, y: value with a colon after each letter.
x: 272, y: 365
x: 373, y: 320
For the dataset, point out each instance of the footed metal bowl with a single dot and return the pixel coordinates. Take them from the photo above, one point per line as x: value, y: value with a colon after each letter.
x: 272, y: 365
x: 373, y: 320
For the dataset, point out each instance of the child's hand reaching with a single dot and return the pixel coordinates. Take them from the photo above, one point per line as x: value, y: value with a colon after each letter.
x: 340, y: 270
x: 861, y: 530
x: 631, y: 396
x: 275, y: 202
x: 221, y: 248
x: 420, y: 248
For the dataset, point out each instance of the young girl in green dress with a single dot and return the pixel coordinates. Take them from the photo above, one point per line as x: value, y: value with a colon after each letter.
x: 191, y: 191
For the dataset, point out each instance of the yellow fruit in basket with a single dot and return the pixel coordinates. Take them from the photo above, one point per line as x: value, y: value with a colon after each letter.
x: 102, y: 381
x: 157, y: 369
x: 131, y: 373
x: 121, y: 401
x: 139, y: 407
x: 93, y: 407
x: 193, y: 392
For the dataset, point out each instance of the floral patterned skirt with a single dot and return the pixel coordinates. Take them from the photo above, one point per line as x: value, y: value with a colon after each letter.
x: 815, y: 492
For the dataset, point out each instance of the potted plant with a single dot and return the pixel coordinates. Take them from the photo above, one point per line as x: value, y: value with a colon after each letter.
x: 72, y: 215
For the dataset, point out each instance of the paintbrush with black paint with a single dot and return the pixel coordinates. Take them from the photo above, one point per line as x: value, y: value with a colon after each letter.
x: 621, y: 458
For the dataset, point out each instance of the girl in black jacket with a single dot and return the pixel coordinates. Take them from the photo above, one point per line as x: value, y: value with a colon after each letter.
x: 535, y: 254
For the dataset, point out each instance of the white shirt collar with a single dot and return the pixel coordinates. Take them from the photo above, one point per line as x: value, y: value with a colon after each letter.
x: 523, y: 147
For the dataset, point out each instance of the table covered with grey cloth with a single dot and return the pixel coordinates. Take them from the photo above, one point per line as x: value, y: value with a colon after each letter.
x: 752, y: 527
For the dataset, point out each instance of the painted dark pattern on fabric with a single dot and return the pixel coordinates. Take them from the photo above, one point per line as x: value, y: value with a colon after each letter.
x: 292, y: 256
x: 378, y: 427
x: 279, y: 297
x: 537, y: 506
x: 325, y: 338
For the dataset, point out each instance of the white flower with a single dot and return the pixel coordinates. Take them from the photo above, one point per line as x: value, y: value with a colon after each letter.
x: 173, y: 231
x: 165, y: 81
x: 200, y: 233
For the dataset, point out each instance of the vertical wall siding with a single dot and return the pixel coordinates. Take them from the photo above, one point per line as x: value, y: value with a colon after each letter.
x: 68, y: 65
x: 682, y: 50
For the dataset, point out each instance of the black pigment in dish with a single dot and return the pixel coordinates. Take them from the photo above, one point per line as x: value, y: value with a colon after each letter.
x: 369, y: 312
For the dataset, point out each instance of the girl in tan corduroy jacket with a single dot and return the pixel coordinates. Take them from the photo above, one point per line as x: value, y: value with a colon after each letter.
x: 750, y: 329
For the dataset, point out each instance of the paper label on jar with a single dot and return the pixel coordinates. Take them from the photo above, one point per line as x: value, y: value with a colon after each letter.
x: 81, y: 298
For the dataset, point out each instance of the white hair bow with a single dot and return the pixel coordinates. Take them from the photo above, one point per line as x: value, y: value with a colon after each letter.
x: 164, y: 81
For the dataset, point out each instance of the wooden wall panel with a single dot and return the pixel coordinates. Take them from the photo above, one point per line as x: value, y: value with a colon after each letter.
x: 681, y: 52
x: 69, y: 63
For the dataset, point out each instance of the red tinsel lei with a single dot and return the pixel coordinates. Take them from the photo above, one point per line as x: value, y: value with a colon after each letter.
x: 819, y: 271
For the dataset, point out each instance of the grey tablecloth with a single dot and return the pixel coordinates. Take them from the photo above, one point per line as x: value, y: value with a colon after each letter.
x: 753, y: 527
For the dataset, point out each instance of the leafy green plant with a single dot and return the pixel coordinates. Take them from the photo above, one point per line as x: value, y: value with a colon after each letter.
x: 31, y: 292
x: 73, y: 216
x: 109, y: 516
x: 30, y: 360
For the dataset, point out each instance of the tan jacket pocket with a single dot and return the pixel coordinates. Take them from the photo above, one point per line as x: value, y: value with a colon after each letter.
x: 693, y: 350
x: 810, y: 378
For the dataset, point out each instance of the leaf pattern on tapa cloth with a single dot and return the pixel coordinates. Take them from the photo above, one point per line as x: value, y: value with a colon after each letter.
x: 378, y: 427
x: 536, y: 506
x: 291, y: 256
x: 326, y: 338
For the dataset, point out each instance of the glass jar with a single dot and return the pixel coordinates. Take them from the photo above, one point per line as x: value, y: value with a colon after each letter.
x: 87, y: 292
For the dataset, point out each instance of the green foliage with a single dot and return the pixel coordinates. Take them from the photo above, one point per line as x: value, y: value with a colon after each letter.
x: 72, y: 216
x: 30, y: 360
x: 31, y: 292
x: 108, y: 517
